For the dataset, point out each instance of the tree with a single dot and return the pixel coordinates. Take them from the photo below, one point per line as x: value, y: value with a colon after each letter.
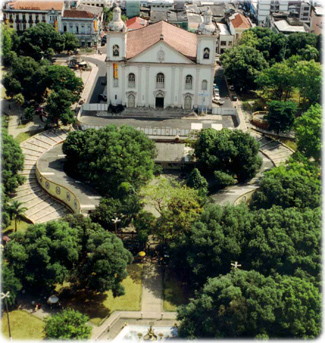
x: 71, y: 41
x: 59, y: 107
x: 10, y: 283
x: 298, y: 42
x: 73, y: 250
x: 63, y: 78
x: 284, y: 241
x: 12, y: 161
x: 19, y: 99
x: 38, y: 41
x: 310, y: 53
x: 197, y: 181
x: 144, y: 223
x: 308, y: 129
x: 112, y: 155
x: 243, y: 64
x: 110, y: 208
x: 223, y: 180
x: 296, y: 184
x: 5, y: 209
x: 232, y: 152
x: 278, y: 80
x: 308, y: 79
x: 16, y: 212
x: 214, y: 241
x: 29, y: 113
x: 105, y: 265
x: 281, y: 115
x: 8, y: 39
x: 245, y: 304
x: 67, y: 325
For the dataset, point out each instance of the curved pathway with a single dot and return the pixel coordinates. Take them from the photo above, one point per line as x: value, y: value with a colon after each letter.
x: 41, y: 207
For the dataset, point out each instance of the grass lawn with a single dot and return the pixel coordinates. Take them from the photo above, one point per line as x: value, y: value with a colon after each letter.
x: 175, y: 293
x: 25, y: 135
x: 21, y: 226
x: 290, y: 143
x: 23, y: 326
x: 97, y: 306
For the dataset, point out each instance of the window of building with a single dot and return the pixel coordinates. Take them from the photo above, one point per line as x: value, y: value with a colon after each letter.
x: 188, y: 82
x: 77, y: 29
x: 305, y: 14
x: 131, y: 80
x: 115, y: 82
x: 206, y: 53
x: 65, y: 28
x: 82, y: 28
x: 237, y: 35
x: 89, y: 28
x: 229, y: 43
x: 116, y: 50
x: 223, y: 43
x: 43, y: 18
x: 204, y: 85
x: 306, y: 8
x: 160, y: 80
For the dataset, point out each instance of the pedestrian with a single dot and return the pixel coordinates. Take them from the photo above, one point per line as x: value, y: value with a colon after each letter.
x: 39, y: 305
x: 36, y: 308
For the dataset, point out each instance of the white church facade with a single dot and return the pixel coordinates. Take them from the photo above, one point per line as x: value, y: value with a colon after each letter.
x: 160, y: 65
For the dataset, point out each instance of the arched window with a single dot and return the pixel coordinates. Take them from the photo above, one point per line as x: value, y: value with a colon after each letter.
x: 116, y: 50
x: 188, y: 82
x: 206, y: 53
x: 131, y: 80
x: 160, y: 80
x: 204, y: 85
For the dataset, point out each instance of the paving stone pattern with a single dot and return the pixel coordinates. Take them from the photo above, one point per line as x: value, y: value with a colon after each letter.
x: 41, y: 207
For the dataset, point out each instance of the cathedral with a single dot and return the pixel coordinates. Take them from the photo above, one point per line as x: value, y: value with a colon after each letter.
x: 160, y: 65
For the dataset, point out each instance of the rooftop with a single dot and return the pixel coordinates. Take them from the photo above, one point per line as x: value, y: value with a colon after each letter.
x: 284, y: 26
x: 239, y: 21
x: 181, y: 40
x: 136, y: 23
x: 173, y: 152
x: 77, y: 14
x: 36, y: 5
x: 319, y: 10
x: 223, y: 29
x: 92, y: 9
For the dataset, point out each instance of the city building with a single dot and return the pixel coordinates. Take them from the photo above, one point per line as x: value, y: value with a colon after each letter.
x: 300, y: 9
x: 22, y: 15
x: 237, y: 24
x: 84, y: 21
x: 225, y: 39
x: 286, y: 23
x: 316, y: 19
x: 136, y: 23
x: 132, y: 8
x: 267, y: 7
x: 160, y: 66
x: 97, y: 3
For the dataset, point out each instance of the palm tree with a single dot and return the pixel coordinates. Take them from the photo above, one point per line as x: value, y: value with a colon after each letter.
x: 16, y: 212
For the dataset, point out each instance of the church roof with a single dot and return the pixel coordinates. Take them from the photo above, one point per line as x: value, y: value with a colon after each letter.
x: 77, y: 14
x: 181, y: 40
x: 136, y: 23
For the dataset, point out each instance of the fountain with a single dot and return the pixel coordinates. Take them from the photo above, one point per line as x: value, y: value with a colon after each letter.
x: 141, y: 333
x: 150, y: 336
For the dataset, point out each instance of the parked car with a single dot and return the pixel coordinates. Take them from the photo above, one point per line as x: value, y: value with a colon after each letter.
x: 220, y: 102
x: 216, y: 92
x: 234, y: 98
x: 102, y: 97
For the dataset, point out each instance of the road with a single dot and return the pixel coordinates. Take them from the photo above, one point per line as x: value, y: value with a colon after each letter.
x: 219, y: 79
x: 97, y: 88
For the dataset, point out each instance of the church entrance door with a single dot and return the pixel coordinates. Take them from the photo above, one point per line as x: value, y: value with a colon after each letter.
x: 131, y: 101
x: 188, y: 103
x: 159, y: 102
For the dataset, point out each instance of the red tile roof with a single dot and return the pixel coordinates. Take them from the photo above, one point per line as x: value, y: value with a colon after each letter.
x: 36, y: 5
x: 181, y: 40
x: 136, y: 23
x: 77, y: 14
x: 240, y: 22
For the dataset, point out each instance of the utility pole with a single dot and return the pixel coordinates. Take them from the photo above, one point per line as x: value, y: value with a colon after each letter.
x: 5, y: 296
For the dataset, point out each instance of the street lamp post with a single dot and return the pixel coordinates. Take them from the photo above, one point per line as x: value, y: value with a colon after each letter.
x: 115, y: 221
x: 5, y: 296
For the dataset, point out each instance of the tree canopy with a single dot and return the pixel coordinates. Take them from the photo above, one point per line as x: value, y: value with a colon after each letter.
x: 10, y: 283
x: 46, y: 254
x: 12, y: 161
x: 281, y: 115
x: 296, y: 184
x: 110, y: 156
x: 242, y: 64
x: 231, y: 151
x: 67, y: 325
x: 246, y: 304
x: 308, y: 129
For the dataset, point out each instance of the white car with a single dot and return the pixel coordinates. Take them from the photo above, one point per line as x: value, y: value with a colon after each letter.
x: 231, y: 87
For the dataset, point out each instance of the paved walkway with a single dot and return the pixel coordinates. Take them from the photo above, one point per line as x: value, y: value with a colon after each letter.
x: 151, y: 304
x: 51, y: 164
x: 40, y: 206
